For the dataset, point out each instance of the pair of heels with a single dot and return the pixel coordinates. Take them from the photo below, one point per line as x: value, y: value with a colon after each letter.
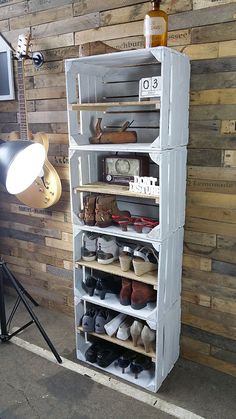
x: 137, y: 363
x: 138, y: 222
x: 101, y: 286
x: 142, y: 334
x: 143, y: 259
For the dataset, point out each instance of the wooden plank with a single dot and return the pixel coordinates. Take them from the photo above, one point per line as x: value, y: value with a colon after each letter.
x: 207, y: 288
x: 86, y: 6
x: 201, y: 4
x: 213, y: 200
x: 212, y: 33
x: 46, y: 93
x: 66, y: 25
x: 224, y: 305
x: 9, y: 11
x: 53, y: 67
x: 52, y: 105
x: 200, y: 238
x: 30, y: 229
x: 229, y: 158
x: 208, y: 226
x: 196, y: 262
x: 27, y: 264
x: 213, y: 81
x: 228, y: 126
x: 214, y: 97
x: 57, y: 41
x: 38, y: 18
x: 218, y: 65
x: 201, y: 51
x: 209, y: 361
x: 4, y: 25
x: 47, y: 117
x: 210, y: 338
x: 202, y: 157
x: 210, y: 141
x: 208, y: 185
x: 206, y: 112
x: 109, y: 32
x: 214, y: 173
x: 227, y: 48
x: 192, y: 344
x: 227, y: 356
x: 202, y: 17
x: 58, y: 244
x: 209, y: 213
x: 196, y: 298
x: 36, y: 6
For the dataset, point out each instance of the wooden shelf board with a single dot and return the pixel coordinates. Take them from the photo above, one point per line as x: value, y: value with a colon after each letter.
x: 105, y: 105
x: 124, y: 343
x: 102, y: 187
x: 114, y: 269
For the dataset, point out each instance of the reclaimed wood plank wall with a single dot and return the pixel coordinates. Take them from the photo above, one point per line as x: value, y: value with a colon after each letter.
x: 37, y: 244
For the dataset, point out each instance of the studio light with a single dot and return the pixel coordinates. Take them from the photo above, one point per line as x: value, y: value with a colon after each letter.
x: 21, y: 162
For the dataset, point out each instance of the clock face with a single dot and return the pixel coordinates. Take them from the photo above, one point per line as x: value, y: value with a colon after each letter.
x: 122, y: 166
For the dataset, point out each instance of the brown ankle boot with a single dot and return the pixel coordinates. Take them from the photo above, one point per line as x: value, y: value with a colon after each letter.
x: 88, y: 214
x: 106, y: 206
x: 141, y: 295
x: 126, y: 291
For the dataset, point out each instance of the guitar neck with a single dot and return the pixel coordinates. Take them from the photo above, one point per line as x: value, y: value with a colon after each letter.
x: 22, y: 101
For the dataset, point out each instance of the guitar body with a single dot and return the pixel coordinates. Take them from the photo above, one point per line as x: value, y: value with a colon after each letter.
x: 45, y: 191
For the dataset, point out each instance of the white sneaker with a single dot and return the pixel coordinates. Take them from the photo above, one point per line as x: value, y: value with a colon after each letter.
x: 113, y: 325
x: 123, y: 333
x: 107, y: 250
x: 89, y: 248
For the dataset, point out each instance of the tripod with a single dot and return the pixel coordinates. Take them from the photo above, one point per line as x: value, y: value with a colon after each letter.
x: 23, y: 295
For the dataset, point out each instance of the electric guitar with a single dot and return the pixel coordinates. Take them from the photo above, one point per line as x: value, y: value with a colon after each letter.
x: 46, y: 189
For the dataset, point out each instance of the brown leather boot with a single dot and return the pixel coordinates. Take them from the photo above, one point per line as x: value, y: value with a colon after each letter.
x: 106, y: 206
x: 141, y: 295
x: 125, y: 292
x: 88, y: 214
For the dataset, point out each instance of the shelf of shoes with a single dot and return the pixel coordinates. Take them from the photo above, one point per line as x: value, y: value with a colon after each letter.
x: 124, y: 343
x: 114, y: 269
x: 105, y: 188
x: 112, y: 302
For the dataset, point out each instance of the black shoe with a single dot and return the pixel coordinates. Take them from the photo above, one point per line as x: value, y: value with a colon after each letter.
x: 125, y: 359
x: 108, y: 354
x: 139, y: 364
x: 110, y: 285
x: 89, y: 284
x: 91, y: 353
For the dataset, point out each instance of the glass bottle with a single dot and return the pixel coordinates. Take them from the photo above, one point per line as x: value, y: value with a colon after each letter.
x: 155, y: 26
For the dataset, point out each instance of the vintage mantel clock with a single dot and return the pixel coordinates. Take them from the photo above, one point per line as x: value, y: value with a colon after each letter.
x: 122, y: 169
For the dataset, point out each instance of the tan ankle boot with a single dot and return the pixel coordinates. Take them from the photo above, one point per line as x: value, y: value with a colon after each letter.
x: 106, y: 206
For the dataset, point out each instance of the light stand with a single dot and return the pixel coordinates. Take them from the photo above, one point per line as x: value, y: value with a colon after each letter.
x: 23, y: 295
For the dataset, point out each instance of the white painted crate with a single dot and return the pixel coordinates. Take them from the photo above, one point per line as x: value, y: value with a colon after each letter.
x: 167, y: 282
x: 171, y: 168
x: 167, y: 351
x: 115, y: 78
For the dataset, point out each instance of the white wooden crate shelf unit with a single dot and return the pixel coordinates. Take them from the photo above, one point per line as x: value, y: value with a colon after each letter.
x: 107, y: 86
x: 166, y: 351
x: 95, y: 81
x: 169, y: 166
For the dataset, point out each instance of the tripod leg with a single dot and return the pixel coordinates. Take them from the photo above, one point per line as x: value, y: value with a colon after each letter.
x: 20, y: 292
x: 25, y: 292
x: 2, y: 310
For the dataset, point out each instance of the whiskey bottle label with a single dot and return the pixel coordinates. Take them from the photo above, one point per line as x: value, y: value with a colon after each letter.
x: 154, y: 26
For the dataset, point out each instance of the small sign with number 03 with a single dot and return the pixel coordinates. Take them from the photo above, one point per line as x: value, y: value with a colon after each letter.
x: 149, y: 87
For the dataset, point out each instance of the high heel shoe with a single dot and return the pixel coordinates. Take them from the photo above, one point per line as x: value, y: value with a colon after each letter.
x: 125, y: 359
x: 148, y: 337
x: 139, y: 364
x: 135, y: 331
x: 90, y: 283
x: 144, y: 260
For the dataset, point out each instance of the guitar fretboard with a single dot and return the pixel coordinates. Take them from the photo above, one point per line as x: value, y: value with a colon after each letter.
x: 22, y: 101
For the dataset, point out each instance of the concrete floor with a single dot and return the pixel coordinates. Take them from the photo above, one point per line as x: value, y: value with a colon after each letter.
x: 32, y: 387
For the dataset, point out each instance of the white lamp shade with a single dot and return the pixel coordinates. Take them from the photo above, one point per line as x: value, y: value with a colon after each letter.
x: 26, y: 165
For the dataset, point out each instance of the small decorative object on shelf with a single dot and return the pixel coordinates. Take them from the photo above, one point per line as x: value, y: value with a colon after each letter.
x: 155, y: 26
x: 150, y: 87
x: 145, y: 185
x: 122, y: 169
x: 113, y: 137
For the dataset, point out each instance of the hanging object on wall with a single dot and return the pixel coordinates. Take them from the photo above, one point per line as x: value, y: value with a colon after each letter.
x: 7, y: 91
x: 45, y: 191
